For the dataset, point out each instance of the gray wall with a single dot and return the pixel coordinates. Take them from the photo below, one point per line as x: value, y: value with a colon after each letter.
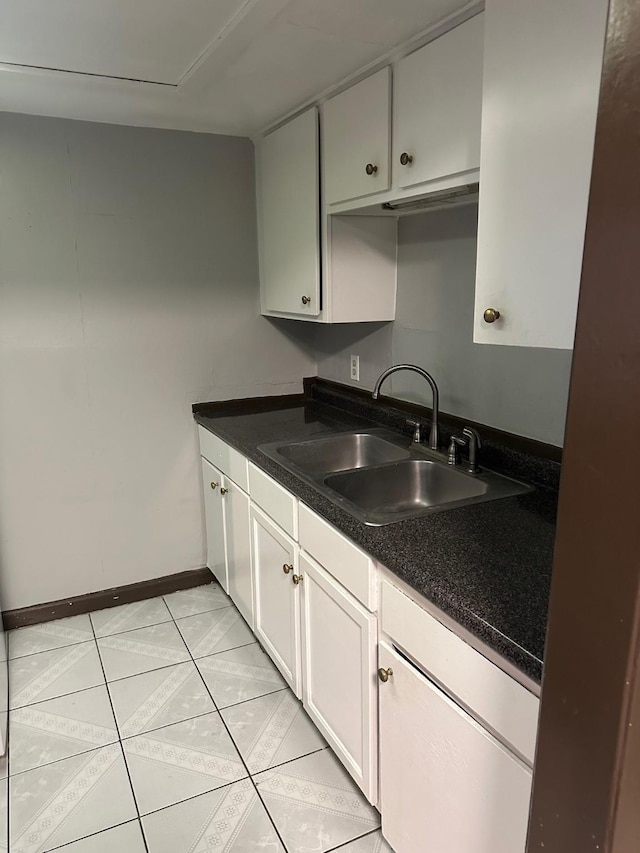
x: 520, y: 390
x: 128, y: 291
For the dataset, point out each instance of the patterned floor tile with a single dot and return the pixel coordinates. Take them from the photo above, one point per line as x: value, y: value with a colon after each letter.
x: 54, y: 673
x: 213, y: 632
x: 128, y: 617
x: 50, y: 635
x: 60, y: 728
x: 181, y: 761
x: 68, y: 800
x: 126, y: 838
x: 314, y: 803
x: 200, y: 599
x: 142, y: 650
x: 159, y: 698
x: 229, y: 820
x: 372, y: 843
x: 271, y: 730
x: 240, y: 674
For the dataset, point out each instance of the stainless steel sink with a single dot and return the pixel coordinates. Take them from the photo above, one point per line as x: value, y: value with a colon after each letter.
x: 342, y: 452
x: 379, y: 478
x: 411, y: 484
x: 406, y: 487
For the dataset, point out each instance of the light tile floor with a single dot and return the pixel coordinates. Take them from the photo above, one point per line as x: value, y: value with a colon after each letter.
x: 162, y: 727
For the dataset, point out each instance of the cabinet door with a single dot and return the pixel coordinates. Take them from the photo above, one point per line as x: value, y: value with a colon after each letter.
x: 542, y: 71
x: 277, y: 596
x: 357, y: 139
x: 289, y: 218
x: 238, y: 540
x: 339, y: 673
x: 447, y: 786
x: 213, y: 481
x: 438, y: 106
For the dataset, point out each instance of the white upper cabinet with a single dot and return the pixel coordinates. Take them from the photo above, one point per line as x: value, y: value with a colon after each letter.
x: 289, y: 228
x: 438, y: 105
x: 356, y: 126
x: 542, y: 71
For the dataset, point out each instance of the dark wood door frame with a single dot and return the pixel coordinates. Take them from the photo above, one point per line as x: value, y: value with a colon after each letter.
x: 586, y: 794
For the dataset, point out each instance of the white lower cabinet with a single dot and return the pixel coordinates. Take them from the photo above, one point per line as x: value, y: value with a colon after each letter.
x: 447, y: 761
x: 277, y: 595
x: 339, y: 672
x: 238, y: 540
x: 213, y: 482
x: 447, y: 785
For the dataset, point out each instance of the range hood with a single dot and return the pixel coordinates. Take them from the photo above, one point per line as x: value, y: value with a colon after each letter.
x: 465, y: 194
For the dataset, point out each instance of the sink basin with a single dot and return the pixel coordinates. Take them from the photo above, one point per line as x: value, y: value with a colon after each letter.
x: 406, y: 487
x: 341, y: 452
x: 379, y: 480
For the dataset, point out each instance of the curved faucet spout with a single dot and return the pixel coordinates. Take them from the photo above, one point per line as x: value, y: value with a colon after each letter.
x: 433, y: 435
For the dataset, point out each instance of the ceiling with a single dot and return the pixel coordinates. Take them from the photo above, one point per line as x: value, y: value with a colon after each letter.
x: 226, y: 66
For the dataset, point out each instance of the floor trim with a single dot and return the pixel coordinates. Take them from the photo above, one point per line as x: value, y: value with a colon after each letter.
x: 78, y: 604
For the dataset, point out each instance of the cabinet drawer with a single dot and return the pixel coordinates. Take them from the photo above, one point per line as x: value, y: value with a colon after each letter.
x: 276, y: 501
x: 228, y: 460
x: 496, y: 699
x: 354, y: 569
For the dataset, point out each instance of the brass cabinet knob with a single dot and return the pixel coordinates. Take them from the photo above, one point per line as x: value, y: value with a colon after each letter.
x: 306, y: 300
x: 385, y: 674
x: 296, y: 579
x: 370, y: 169
x: 214, y: 485
x: 491, y: 315
x: 223, y: 491
x: 405, y: 158
x: 287, y: 567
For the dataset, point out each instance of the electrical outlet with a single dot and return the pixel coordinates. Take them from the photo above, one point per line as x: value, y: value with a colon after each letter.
x: 355, y: 368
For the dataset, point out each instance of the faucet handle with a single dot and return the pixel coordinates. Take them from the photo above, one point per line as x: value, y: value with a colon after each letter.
x: 472, y: 435
x: 475, y: 443
x: 417, y: 434
x: 454, y: 444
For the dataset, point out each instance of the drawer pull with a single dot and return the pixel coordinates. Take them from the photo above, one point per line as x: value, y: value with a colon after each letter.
x: 385, y: 674
x: 296, y: 579
x: 287, y: 567
x: 370, y: 169
x: 406, y: 159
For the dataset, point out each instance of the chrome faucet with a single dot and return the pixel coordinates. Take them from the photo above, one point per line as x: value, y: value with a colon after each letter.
x: 433, y: 435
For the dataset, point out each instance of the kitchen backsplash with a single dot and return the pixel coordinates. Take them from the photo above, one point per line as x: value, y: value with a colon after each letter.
x: 516, y: 389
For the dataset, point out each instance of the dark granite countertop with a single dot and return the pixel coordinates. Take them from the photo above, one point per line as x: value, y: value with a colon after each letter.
x: 487, y: 566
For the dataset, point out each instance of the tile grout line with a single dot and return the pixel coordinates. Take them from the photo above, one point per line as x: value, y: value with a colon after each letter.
x: 249, y: 776
x: 63, y: 847
x: 124, y: 759
x: 277, y: 766
x: 119, y: 739
x: 194, y: 661
x: 357, y: 838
